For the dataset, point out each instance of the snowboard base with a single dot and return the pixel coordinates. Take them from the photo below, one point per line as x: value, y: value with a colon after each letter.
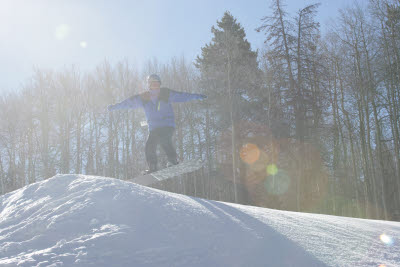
x: 167, y: 173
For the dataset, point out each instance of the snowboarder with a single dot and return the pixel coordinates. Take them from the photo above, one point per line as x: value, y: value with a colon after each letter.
x: 156, y: 103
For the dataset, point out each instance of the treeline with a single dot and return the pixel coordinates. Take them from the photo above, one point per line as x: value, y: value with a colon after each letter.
x: 308, y: 123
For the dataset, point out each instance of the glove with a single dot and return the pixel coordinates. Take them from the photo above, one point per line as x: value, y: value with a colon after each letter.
x: 111, y: 107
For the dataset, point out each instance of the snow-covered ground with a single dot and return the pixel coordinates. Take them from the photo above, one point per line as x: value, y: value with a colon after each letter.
x: 77, y: 220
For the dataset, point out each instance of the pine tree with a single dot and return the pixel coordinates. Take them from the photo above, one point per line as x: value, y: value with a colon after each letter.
x: 230, y: 74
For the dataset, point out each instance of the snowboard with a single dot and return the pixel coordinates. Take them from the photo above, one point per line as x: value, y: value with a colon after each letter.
x: 184, y: 167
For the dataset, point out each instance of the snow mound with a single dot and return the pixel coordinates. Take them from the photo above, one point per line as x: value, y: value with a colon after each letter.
x: 78, y: 220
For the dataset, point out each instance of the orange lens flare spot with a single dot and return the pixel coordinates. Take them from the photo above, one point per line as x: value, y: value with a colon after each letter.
x: 250, y: 153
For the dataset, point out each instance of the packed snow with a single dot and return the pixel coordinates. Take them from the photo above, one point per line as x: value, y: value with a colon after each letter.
x: 78, y: 220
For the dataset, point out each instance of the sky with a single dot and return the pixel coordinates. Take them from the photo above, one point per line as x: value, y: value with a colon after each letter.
x: 54, y: 34
x: 79, y: 220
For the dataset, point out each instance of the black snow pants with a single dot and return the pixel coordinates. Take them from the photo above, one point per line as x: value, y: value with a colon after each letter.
x: 162, y: 136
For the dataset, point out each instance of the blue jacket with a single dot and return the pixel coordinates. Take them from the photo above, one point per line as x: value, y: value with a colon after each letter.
x: 158, y: 109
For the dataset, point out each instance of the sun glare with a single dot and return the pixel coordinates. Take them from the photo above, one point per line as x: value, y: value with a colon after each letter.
x: 386, y: 239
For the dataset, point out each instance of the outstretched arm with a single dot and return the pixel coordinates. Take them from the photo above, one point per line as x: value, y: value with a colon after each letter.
x: 176, y: 96
x: 132, y: 103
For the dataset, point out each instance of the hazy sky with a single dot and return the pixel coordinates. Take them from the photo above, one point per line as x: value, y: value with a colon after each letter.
x: 51, y: 34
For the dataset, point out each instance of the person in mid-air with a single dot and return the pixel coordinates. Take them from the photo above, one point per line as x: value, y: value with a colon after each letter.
x: 157, y: 105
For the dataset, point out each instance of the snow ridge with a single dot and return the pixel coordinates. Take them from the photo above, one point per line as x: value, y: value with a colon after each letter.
x: 78, y: 220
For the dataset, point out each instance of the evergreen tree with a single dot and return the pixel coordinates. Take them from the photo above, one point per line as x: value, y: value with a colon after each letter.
x: 230, y: 74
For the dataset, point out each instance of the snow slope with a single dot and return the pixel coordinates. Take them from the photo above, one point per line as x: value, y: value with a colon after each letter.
x: 77, y: 220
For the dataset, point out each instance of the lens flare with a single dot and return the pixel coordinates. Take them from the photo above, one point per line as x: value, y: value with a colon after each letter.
x: 83, y: 44
x: 62, y: 31
x: 277, y: 184
x: 387, y: 240
x: 250, y: 153
x: 272, y: 169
